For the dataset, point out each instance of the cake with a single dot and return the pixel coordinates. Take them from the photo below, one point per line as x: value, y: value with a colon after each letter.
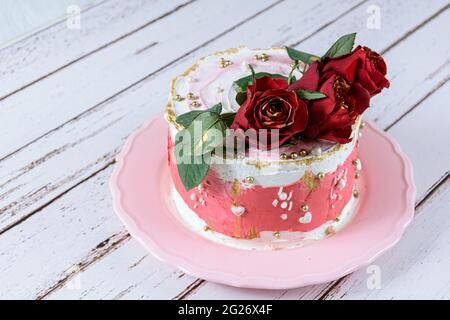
x: 263, y: 143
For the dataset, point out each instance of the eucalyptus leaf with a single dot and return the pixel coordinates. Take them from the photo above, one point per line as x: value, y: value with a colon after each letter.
x: 186, y: 118
x: 342, y: 46
x: 192, y: 170
x: 305, y: 57
x: 217, y: 108
x: 204, y: 133
x: 192, y: 174
x: 310, y: 95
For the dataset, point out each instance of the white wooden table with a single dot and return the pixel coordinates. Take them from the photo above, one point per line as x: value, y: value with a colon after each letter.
x: 70, y: 97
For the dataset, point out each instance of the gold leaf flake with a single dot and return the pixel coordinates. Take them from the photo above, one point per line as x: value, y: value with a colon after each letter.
x: 309, y: 180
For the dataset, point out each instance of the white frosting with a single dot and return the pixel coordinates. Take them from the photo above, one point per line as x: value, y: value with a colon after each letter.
x: 215, y: 84
x: 267, y: 240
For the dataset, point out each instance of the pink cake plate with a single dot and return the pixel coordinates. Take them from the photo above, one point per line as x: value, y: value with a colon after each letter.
x: 140, y: 185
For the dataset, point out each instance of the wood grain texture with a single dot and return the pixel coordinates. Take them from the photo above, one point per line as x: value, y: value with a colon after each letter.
x: 59, y: 237
x: 39, y: 55
x: 73, y: 91
x: 21, y: 18
x: 417, y: 268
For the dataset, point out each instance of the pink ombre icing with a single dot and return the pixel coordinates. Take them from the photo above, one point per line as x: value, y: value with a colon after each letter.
x: 270, y: 208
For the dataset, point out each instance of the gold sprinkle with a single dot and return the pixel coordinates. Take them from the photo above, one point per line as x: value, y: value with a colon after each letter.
x: 191, y: 96
x: 356, y: 162
x: 283, y: 156
x: 303, y: 153
x: 356, y: 193
x: 206, y: 228
x: 249, y: 179
x: 329, y: 231
x: 277, y: 234
x: 304, y: 207
x: 262, y: 57
x: 362, y: 125
x: 178, y: 98
x: 321, y: 175
x: 294, y: 155
x: 223, y: 63
x: 357, y: 175
x: 195, y: 104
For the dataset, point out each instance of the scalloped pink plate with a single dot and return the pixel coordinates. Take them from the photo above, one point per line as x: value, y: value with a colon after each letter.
x: 140, y: 185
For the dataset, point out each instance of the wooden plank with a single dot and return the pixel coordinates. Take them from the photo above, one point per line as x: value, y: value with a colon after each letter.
x: 96, y: 78
x: 417, y: 268
x: 18, y: 19
x: 136, y: 97
x: 32, y: 256
x: 50, y: 50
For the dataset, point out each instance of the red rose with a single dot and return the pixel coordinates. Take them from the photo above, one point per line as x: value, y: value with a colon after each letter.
x: 362, y: 65
x: 331, y: 118
x: 270, y: 105
x: 348, y: 81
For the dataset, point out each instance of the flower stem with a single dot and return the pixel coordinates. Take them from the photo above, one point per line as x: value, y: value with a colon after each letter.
x: 292, y: 71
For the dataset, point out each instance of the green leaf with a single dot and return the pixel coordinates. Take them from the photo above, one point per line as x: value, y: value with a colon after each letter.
x: 310, y: 95
x: 228, y: 118
x: 305, y: 57
x: 243, y: 83
x: 192, y: 170
x: 186, y: 118
x: 217, y: 108
x: 342, y: 46
x: 192, y: 174
x: 205, y: 141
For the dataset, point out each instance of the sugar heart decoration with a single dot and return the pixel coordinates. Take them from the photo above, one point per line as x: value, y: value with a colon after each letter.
x: 237, y: 211
x: 306, y: 218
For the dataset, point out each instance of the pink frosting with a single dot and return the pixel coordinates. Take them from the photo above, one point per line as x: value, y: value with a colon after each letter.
x: 278, y: 208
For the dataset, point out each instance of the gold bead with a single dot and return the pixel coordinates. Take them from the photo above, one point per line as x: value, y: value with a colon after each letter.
x: 362, y: 125
x: 294, y: 155
x: 206, y: 228
x: 177, y: 97
x: 357, y: 175
x: 277, y: 234
x: 191, y: 96
x: 321, y: 175
x: 283, y: 156
x: 356, y: 162
x: 304, y: 207
x: 262, y: 57
x: 356, y: 193
x: 195, y: 104
x: 303, y: 153
x: 249, y: 179
x: 223, y: 63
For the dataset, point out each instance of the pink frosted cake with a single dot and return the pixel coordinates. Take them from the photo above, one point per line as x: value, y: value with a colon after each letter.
x: 263, y: 144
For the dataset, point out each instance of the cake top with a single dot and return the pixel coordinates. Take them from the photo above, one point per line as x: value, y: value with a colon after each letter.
x: 271, y: 99
x: 212, y: 79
